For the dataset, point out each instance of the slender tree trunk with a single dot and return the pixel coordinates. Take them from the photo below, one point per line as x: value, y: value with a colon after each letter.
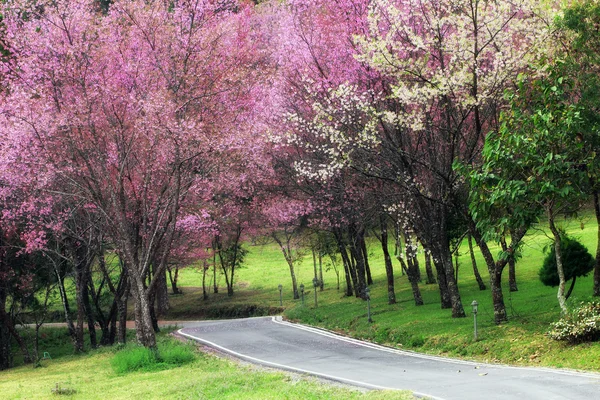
x: 79, y: 343
x: 512, y: 278
x: 8, y: 326
x: 204, y: 291
x: 596, y: 290
x: 411, y: 270
x: 389, y: 268
x: 350, y: 274
x: 354, y: 235
x: 495, y: 270
x: 571, y: 287
x: 445, y: 300
x: 215, y: 285
x: 5, y: 350
x: 287, y: 254
x: 474, y: 263
x: 173, y: 278
x: 559, y: 266
x: 321, y: 281
x: 65, y: 303
x: 443, y: 253
x: 428, y: 269
x: 122, y: 308
x: 363, y: 248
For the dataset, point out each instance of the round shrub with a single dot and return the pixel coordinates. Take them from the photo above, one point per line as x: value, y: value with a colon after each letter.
x: 576, y: 259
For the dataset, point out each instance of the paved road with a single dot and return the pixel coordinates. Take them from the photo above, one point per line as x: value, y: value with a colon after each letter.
x: 273, y: 342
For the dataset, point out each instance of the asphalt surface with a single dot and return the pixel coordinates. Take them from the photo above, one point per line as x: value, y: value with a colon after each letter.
x: 272, y: 342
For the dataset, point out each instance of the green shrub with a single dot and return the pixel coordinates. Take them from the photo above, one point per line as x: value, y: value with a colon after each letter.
x: 168, y: 354
x: 582, y: 325
x: 576, y: 260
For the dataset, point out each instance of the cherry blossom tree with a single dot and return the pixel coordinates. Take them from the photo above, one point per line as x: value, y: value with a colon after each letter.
x: 127, y: 111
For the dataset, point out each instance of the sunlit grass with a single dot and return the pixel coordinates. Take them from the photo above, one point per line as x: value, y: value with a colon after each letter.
x: 90, y: 376
x: 427, y: 328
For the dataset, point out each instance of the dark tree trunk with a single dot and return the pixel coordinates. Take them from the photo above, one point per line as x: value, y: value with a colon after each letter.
x: 411, y: 270
x: 174, y: 278
x: 5, y: 351
x: 122, y: 308
x: 215, y: 285
x: 571, y: 287
x: 65, y: 303
x: 162, y: 293
x: 428, y: 269
x: 81, y: 314
x: 512, y: 278
x: 442, y: 285
x: 153, y: 316
x: 363, y: 248
x: 495, y: 269
x: 389, y: 268
x: 7, y: 323
x: 355, y: 236
x: 596, y: 290
x: 474, y: 263
x: 350, y: 274
x: 321, y: 281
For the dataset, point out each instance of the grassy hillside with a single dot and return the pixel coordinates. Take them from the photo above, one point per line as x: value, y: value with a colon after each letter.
x: 427, y: 328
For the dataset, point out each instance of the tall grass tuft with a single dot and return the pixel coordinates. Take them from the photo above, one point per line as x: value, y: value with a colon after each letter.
x: 168, y: 354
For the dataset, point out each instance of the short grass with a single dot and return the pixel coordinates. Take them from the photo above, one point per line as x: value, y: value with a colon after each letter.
x: 90, y: 376
x: 428, y: 328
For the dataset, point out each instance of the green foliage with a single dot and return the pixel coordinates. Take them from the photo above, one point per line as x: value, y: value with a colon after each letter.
x: 577, y: 261
x: 536, y: 158
x: 168, y: 355
x: 582, y: 325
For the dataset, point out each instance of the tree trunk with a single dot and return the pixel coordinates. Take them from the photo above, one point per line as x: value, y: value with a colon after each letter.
x: 7, y: 323
x: 442, y: 284
x: 428, y: 269
x: 560, y: 295
x: 596, y: 290
x: 512, y: 278
x: 495, y: 269
x: 5, y: 350
x: 474, y: 263
x: 389, y: 268
x: 143, y: 320
x: 122, y: 308
x: 162, y: 293
x: 571, y: 287
x: 215, y: 285
x: 350, y: 274
x: 354, y: 235
x: 443, y: 253
x: 287, y: 254
x: 321, y: 281
x: 412, y: 270
x: 363, y: 248
x: 65, y: 303
x: 204, y: 291
x: 173, y: 278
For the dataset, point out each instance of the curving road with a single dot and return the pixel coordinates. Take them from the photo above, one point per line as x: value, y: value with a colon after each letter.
x: 272, y: 342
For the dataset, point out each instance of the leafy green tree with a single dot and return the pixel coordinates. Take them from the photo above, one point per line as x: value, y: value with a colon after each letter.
x: 535, y: 163
x: 579, y: 25
x: 577, y: 261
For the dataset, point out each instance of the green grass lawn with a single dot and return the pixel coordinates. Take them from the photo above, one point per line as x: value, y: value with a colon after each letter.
x: 90, y: 376
x: 428, y: 328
